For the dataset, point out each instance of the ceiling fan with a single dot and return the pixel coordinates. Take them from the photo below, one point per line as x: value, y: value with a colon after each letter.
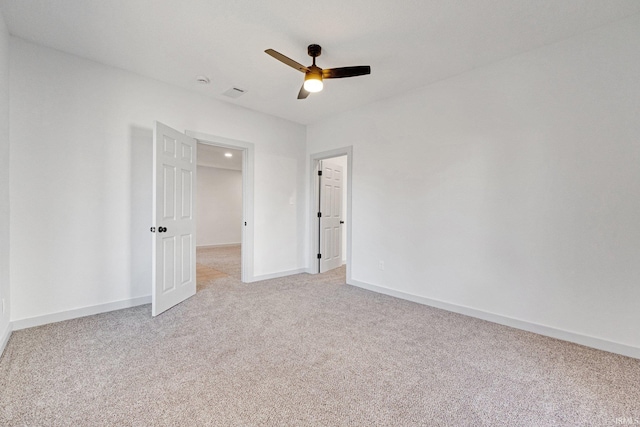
x: 314, y: 74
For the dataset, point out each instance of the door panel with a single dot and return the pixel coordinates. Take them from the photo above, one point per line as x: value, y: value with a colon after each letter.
x: 186, y: 259
x: 168, y: 254
x: 168, y: 191
x: 173, y: 206
x: 187, y: 194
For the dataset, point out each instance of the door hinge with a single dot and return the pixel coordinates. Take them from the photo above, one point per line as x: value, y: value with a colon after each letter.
x: 319, y: 214
x: 153, y: 229
x: 319, y: 173
x: 319, y: 256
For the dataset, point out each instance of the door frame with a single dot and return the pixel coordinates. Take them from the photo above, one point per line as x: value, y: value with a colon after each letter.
x: 247, y: 149
x: 314, y: 207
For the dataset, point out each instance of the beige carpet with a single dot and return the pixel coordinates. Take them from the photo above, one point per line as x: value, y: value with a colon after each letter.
x: 306, y: 351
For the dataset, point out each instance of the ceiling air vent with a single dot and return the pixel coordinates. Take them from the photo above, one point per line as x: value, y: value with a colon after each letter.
x: 234, y: 92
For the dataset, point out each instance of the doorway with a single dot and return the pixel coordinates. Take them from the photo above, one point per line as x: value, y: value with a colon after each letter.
x: 218, y: 213
x: 242, y: 151
x: 330, y: 230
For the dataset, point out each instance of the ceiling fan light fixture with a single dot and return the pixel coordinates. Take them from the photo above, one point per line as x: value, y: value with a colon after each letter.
x: 313, y: 82
x: 313, y: 75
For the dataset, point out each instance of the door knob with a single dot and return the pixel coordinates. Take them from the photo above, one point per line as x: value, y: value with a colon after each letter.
x: 341, y: 222
x: 162, y: 229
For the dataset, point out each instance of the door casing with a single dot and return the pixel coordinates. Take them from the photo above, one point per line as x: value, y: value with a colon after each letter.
x: 247, y: 149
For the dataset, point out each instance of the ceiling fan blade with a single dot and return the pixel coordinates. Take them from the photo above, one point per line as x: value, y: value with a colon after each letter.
x: 303, y: 93
x: 338, y: 73
x: 286, y: 60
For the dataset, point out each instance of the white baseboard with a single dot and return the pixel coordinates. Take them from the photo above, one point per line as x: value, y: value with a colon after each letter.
x: 223, y: 245
x: 277, y: 275
x: 30, y: 322
x: 586, y: 340
x: 4, y: 337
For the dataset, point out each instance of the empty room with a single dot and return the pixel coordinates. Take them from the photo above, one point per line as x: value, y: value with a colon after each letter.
x: 429, y: 214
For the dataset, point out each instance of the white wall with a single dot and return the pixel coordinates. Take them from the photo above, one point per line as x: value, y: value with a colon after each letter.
x: 219, y: 206
x: 81, y: 178
x: 4, y: 181
x: 512, y: 189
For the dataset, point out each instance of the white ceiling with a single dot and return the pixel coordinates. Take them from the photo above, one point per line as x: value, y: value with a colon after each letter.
x: 408, y: 43
x: 213, y: 156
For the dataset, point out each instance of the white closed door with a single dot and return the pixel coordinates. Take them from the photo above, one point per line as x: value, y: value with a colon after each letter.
x: 331, y: 187
x: 174, y: 246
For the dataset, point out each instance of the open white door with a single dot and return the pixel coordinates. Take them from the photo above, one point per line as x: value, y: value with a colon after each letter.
x: 331, y: 187
x: 174, y: 248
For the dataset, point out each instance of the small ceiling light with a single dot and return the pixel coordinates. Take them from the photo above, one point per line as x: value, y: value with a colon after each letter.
x: 228, y: 155
x: 203, y: 80
x: 313, y: 79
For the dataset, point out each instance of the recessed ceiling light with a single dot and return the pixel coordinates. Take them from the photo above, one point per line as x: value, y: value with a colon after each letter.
x: 203, y: 80
x: 228, y: 155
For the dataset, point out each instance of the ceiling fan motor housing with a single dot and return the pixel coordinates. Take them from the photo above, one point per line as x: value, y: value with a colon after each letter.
x: 314, y: 50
